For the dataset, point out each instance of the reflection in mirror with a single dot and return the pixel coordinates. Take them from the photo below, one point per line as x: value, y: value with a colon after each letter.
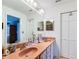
x: 13, y: 26
x: 40, y: 26
x: 50, y: 25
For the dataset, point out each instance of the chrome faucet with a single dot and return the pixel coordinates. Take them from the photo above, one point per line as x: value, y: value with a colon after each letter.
x: 39, y: 38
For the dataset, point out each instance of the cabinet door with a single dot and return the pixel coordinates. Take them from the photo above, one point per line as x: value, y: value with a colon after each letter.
x: 43, y: 55
x: 51, y: 51
x: 55, y: 50
x: 48, y: 53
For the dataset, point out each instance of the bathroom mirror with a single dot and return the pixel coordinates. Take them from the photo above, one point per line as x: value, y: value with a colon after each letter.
x: 49, y: 25
x: 13, y: 26
x: 40, y: 26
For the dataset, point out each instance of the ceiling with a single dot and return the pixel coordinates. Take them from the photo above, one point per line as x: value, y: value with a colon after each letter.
x: 18, y: 5
x: 47, y: 5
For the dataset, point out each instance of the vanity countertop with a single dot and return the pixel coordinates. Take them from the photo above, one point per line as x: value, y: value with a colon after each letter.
x: 41, y: 47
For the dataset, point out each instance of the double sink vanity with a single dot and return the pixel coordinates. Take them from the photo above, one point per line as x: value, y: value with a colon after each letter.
x: 33, y: 51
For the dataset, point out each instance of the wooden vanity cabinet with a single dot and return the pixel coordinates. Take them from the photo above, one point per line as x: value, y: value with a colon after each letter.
x: 47, y: 54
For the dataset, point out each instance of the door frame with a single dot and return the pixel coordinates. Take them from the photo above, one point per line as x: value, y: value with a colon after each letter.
x: 18, y: 39
x: 61, y: 29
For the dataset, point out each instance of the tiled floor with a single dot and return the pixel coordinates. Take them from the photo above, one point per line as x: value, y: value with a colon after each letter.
x: 63, y: 58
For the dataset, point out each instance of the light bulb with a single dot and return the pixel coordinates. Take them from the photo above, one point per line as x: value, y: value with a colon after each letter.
x: 41, y: 11
x: 35, y: 4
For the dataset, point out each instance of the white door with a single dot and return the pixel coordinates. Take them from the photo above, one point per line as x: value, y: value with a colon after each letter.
x: 69, y: 35
x: 65, y: 35
x: 73, y: 35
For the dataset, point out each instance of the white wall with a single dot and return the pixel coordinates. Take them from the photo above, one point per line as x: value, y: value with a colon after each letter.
x: 66, y: 7
x: 23, y: 24
x: 54, y: 12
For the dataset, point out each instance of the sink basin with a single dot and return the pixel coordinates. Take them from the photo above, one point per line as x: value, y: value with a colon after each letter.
x: 46, y: 39
x: 28, y: 51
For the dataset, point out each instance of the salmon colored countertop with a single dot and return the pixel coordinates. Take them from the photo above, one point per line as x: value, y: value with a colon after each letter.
x: 40, y: 46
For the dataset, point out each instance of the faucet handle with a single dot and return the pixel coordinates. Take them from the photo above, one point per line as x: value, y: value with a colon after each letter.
x: 23, y: 46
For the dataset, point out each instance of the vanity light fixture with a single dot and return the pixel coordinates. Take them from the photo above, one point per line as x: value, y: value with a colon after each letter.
x: 32, y: 4
x: 41, y: 11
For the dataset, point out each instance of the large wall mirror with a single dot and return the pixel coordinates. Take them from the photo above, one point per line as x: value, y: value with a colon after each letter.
x: 13, y: 29
x: 40, y: 26
x: 49, y: 25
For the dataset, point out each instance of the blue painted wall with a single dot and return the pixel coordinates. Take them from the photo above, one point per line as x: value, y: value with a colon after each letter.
x: 11, y: 20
